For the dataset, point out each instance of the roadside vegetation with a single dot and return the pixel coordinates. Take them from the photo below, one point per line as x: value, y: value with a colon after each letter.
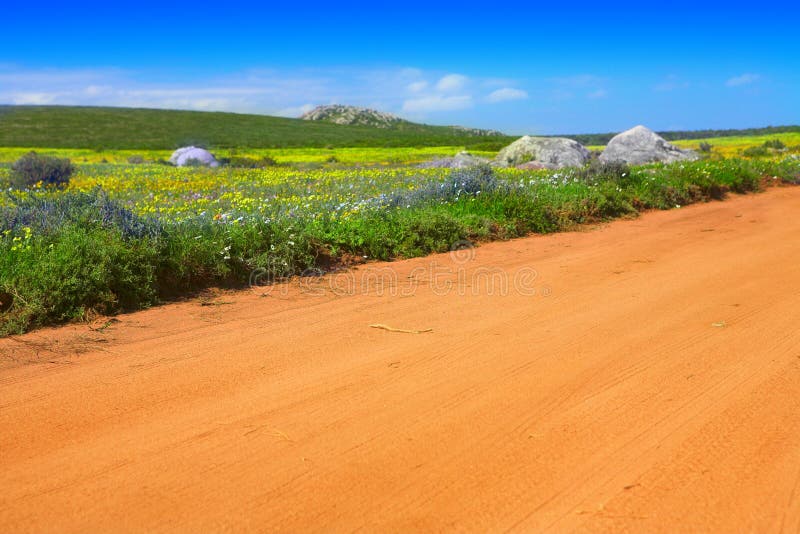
x: 119, y: 237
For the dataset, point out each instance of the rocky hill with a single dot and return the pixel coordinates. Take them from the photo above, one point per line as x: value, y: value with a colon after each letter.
x: 353, y: 115
x: 339, y: 114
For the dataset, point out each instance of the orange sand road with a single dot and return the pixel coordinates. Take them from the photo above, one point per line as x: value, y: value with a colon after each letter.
x: 650, y: 384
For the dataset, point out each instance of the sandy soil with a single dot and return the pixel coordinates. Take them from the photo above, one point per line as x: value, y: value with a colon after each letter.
x: 639, y: 377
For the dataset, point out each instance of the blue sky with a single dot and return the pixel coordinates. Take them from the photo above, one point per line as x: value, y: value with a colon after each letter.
x: 570, y: 67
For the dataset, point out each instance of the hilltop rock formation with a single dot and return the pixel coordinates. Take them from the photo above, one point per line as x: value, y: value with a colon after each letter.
x: 462, y: 160
x: 339, y: 114
x: 191, y: 155
x: 641, y: 145
x: 549, y: 152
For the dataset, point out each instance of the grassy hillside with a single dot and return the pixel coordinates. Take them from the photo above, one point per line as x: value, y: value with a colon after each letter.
x: 124, y: 128
x: 98, y: 128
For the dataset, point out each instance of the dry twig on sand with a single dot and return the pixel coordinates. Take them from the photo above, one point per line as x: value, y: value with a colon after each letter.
x: 391, y: 329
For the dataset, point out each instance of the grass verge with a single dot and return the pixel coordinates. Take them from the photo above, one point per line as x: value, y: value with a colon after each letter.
x: 70, y: 255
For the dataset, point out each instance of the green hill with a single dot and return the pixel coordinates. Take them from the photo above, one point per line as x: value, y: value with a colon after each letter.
x: 129, y: 128
x: 126, y: 128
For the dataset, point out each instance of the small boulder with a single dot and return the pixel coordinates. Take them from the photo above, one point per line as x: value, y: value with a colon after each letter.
x: 462, y: 160
x: 554, y: 152
x: 641, y: 145
x: 191, y: 155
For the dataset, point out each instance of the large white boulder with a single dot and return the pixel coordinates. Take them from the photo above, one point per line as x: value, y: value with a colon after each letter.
x: 551, y: 152
x: 193, y: 155
x: 641, y: 145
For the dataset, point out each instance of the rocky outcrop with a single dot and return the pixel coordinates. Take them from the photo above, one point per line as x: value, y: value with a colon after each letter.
x: 191, y: 155
x: 339, y: 114
x: 641, y: 145
x: 478, y: 132
x: 462, y: 160
x: 550, y: 152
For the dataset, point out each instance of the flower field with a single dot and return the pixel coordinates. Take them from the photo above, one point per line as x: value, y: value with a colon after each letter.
x: 126, y: 236
x: 735, y: 146
x: 370, y: 156
x: 365, y: 156
x: 183, y: 194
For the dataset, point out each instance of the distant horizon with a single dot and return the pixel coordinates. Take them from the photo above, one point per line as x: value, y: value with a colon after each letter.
x: 522, y: 69
x: 556, y: 134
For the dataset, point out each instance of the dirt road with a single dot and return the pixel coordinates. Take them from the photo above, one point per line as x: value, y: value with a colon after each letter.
x: 639, y: 377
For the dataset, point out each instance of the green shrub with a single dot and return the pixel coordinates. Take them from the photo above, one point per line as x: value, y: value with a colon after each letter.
x: 705, y: 147
x: 597, y: 171
x: 32, y: 169
x: 489, y: 146
x: 79, y: 272
x: 755, y: 152
x: 777, y: 144
x: 429, y: 232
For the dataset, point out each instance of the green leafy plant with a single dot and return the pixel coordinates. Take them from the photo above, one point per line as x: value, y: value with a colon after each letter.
x: 755, y: 152
x: 777, y: 144
x: 32, y: 169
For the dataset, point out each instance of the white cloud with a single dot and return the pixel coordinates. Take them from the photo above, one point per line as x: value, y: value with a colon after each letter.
x: 406, y: 91
x: 597, y: 94
x: 247, y: 92
x: 294, y: 112
x: 417, y: 87
x: 94, y: 90
x: 745, y: 79
x: 22, y: 99
x: 197, y: 91
x: 436, y: 103
x: 505, y: 94
x: 410, y: 72
x: 451, y: 83
x: 11, y: 75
